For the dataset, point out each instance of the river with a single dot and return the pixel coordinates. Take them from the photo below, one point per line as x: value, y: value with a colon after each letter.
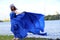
x: 52, y: 28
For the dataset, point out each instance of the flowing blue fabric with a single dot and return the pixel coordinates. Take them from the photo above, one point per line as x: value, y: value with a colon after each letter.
x: 26, y: 22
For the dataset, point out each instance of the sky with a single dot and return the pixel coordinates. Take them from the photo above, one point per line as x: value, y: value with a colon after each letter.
x: 46, y: 7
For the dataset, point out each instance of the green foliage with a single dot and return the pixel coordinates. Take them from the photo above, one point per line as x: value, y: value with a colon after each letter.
x: 52, y: 17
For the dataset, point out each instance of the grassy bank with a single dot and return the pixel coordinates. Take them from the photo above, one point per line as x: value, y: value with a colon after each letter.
x: 11, y: 37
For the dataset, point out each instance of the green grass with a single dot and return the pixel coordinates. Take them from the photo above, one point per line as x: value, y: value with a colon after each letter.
x: 5, y: 37
x: 2, y: 37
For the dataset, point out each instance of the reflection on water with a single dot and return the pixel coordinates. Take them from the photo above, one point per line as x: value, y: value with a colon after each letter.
x: 51, y: 27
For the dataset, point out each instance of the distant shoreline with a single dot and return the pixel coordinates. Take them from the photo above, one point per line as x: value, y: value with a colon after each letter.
x: 5, y: 20
x: 45, y: 20
x: 1, y: 21
x: 48, y: 17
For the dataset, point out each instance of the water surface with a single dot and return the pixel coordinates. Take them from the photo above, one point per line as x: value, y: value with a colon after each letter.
x: 51, y: 27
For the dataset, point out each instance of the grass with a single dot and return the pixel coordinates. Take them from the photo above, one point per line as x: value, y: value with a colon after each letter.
x: 5, y: 37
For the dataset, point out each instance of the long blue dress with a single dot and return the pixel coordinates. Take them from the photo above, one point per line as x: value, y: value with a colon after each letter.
x: 26, y: 22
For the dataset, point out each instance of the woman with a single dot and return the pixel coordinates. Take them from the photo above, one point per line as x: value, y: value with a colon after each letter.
x: 13, y: 9
x: 22, y: 23
x: 13, y: 15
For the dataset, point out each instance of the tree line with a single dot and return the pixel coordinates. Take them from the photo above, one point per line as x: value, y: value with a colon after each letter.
x: 48, y: 17
x: 52, y: 17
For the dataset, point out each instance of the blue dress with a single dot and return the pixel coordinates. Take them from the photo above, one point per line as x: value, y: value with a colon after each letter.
x: 26, y: 22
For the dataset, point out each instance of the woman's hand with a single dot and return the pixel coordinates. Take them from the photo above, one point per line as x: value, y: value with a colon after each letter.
x: 17, y: 12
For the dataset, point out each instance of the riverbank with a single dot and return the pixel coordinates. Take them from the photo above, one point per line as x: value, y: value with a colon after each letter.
x: 6, y: 37
x: 10, y: 37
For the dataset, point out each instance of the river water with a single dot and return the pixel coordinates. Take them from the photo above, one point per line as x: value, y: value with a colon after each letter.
x: 52, y: 28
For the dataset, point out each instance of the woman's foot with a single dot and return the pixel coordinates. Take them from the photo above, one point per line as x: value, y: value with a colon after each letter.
x: 15, y: 39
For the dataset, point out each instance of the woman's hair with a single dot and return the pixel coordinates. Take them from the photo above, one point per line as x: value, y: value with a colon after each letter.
x: 12, y: 7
